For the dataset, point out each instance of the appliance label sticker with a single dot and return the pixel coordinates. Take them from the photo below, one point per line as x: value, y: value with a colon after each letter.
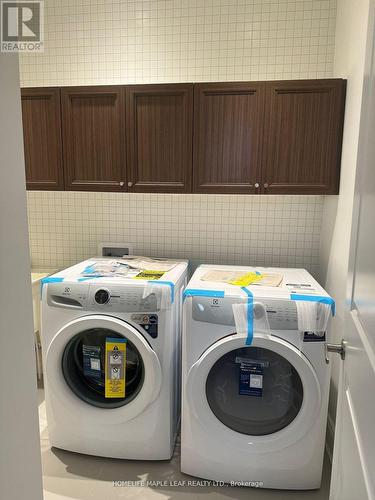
x: 149, y: 275
x: 314, y: 336
x: 91, y: 361
x: 115, y: 363
x: 250, y: 361
x: 251, y: 379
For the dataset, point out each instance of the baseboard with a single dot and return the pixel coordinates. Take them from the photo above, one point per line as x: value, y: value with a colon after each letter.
x: 330, y: 436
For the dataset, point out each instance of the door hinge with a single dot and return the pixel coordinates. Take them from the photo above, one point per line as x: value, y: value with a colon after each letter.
x: 336, y: 348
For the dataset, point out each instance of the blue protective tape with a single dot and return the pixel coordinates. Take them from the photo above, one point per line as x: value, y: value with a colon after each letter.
x: 116, y: 341
x: 49, y: 279
x: 52, y: 279
x: 250, y: 316
x: 169, y: 283
x: 89, y: 269
x: 315, y: 298
x: 198, y: 292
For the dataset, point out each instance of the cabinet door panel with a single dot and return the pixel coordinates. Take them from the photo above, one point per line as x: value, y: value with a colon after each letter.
x: 159, y: 137
x: 41, y: 116
x: 303, y: 132
x: 227, y: 136
x: 93, y: 138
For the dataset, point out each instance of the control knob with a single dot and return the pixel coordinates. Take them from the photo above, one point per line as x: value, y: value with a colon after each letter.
x: 102, y: 296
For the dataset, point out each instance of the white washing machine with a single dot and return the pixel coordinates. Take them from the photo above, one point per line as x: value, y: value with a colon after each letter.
x: 255, y: 381
x: 111, y: 350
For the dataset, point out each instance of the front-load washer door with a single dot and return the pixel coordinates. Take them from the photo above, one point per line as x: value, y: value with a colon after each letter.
x: 267, y: 393
x: 75, y: 368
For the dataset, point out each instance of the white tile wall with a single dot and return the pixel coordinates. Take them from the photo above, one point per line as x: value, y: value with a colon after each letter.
x: 143, y: 41
x: 274, y: 230
x: 135, y: 41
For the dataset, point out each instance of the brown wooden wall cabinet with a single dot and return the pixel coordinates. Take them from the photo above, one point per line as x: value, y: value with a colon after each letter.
x: 41, y: 118
x: 303, y: 129
x: 227, y: 137
x: 159, y: 128
x: 245, y: 137
x: 93, y: 138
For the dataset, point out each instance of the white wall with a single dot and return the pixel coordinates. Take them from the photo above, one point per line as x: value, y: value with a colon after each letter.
x: 351, y: 31
x: 281, y: 231
x: 119, y: 42
x: 20, y: 464
x: 91, y: 42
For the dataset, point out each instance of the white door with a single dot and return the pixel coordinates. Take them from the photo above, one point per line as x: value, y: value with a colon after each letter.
x: 353, y: 474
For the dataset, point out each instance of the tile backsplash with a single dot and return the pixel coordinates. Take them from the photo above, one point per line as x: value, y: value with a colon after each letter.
x: 271, y: 230
x: 91, y: 42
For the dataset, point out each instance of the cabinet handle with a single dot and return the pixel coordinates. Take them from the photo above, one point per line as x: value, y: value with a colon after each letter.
x: 256, y: 184
x: 265, y: 185
x: 130, y: 184
x: 121, y: 183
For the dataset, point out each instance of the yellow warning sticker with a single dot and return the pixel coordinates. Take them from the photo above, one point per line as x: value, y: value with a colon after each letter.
x: 149, y: 275
x: 115, y: 367
x: 247, y: 279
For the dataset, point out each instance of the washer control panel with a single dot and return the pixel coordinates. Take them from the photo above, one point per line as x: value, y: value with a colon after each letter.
x: 120, y: 299
x: 281, y: 314
x: 101, y: 298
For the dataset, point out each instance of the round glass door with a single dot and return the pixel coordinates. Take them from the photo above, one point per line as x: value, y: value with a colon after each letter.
x: 83, y: 367
x: 254, y: 391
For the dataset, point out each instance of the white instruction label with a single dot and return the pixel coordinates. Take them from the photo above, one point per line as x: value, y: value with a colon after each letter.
x: 256, y: 381
x: 115, y: 373
x: 95, y: 364
x: 115, y: 358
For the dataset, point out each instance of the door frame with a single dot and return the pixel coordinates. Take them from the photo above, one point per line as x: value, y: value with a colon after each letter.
x: 357, y: 345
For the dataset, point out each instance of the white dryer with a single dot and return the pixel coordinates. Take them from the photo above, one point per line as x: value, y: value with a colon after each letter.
x: 254, y: 397
x: 111, y: 350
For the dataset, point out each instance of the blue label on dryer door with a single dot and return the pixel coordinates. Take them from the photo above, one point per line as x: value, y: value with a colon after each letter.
x: 251, y: 379
x: 91, y: 361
